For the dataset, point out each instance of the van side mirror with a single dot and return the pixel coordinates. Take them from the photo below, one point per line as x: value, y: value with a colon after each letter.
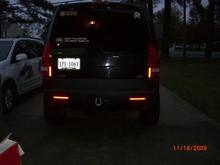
x: 21, y: 57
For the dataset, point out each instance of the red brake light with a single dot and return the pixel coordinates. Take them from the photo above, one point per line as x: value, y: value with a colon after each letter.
x: 153, y: 62
x: 46, y: 60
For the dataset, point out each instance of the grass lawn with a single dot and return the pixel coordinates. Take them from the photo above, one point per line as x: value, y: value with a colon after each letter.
x: 196, y: 81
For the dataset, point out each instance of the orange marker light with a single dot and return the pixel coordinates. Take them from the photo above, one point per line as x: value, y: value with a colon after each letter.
x: 149, y: 72
x: 137, y: 98
x: 61, y: 97
x: 50, y: 71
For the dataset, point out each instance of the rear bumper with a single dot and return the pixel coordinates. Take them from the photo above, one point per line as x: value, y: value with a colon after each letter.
x: 115, y: 96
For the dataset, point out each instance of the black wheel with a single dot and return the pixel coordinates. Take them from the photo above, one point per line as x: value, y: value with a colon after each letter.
x: 8, y: 98
x: 150, y: 116
x: 54, y: 114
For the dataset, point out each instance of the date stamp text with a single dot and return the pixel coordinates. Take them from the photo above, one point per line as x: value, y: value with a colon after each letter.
x: 192, y: 148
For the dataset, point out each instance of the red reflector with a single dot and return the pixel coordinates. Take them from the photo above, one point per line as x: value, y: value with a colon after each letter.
x: 61, y: 97
x: 137, y: 98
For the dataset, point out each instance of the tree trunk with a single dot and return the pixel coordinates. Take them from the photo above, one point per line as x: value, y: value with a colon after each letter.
x: 210, y: 29
x: 150, y: 8
x: 0, y: 25
x: 166, y: 29
x: 184, y: 30
x: 0, y: 28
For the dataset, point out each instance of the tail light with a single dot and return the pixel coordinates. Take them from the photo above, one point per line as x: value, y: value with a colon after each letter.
x: 47, y: 60
x: 153, y: 65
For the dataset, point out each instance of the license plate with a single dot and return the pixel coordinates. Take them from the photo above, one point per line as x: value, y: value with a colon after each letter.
x: 68, y: 63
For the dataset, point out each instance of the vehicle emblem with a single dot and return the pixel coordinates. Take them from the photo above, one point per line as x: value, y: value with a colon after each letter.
x: 137, y: 15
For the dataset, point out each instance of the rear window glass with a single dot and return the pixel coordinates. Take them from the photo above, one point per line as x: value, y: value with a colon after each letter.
x: 101, y: 30
x: 5, y: 47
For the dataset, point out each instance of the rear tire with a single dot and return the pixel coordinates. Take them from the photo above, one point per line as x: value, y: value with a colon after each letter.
x: 8, y: 98
x: 54, y: 114
x: 150, y: 116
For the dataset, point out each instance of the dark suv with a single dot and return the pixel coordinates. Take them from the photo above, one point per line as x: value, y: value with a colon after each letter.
x: 101, y: 55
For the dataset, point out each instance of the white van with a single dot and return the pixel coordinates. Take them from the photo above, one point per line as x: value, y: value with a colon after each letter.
x: 20, y: 68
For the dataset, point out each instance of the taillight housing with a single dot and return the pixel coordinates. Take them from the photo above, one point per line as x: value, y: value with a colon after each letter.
x: 153, y: 62
x: 47, y: 61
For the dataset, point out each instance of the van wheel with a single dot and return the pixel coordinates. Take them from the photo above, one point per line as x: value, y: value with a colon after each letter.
x: 150, y: 116
x: 8, y: 99
x: 54, y: 115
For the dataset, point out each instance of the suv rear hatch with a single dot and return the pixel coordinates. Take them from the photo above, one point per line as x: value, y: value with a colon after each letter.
x: 99, y: 41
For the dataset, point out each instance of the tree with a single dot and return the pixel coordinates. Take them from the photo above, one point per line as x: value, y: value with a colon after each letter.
x: 7, y: 13
x: 217, y: 12
x: 150, y: 8
x: 210, y: 28
x: 4, y: 7
x: 37, y: 14
x: 26, y: 12
x: 175, y: 24
x: 166, y: 28
x: 206, y: 17
x: 151, y: 4
x: 36, y: 10
x: 183, y: 4
x: 197, y: 24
